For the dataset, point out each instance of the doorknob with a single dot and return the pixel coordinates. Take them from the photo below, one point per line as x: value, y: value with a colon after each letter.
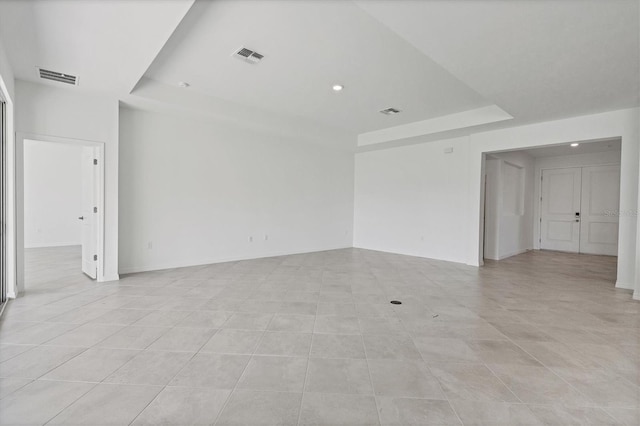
x: 81, y: 218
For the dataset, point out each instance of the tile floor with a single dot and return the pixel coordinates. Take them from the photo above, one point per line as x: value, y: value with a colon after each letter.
x: 539, y: 339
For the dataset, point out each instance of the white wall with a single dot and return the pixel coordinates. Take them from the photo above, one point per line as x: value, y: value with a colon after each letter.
x: 7, y: 92
x: 193, y: 192
x: 53, y: 113
x: 408, y: 192
x: 622, y: 123
x: 413, y: 200
x: 510, y: 229
x: 52, y: 194
x: 560, y: 162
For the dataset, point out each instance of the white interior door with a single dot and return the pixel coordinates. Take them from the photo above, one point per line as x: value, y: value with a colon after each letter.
x: 600, y: 204
x: 560, y: 209
x: 89, y: 213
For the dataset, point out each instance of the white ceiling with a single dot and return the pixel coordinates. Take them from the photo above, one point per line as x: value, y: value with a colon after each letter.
x: 108, y: 44
x: 533, y: 60
x: 537, y: 60
x: 309, y: 45
x: 583, y: 148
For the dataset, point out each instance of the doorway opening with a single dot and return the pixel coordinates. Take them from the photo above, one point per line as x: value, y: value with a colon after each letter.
x: 562, y: 198
x: 63, y: 203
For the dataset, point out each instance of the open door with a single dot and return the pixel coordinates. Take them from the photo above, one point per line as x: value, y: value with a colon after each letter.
x: 89, y: 216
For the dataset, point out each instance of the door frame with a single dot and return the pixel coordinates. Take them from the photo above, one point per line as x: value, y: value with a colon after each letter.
x: 99, y: 192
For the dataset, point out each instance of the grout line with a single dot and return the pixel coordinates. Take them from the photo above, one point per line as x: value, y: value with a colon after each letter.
x: 306, y: 374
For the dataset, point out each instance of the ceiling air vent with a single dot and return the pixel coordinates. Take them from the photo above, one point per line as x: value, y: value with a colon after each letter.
x: 57, y: 76
x: 390, y: 111
x: 248, y: 55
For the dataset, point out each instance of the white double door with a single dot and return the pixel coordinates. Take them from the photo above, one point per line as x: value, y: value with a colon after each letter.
x: 579, y: 209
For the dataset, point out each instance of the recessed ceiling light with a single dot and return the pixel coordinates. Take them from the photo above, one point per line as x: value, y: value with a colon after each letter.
x: 574, y: 144
x: 337, y: 87
x: 183, y: 84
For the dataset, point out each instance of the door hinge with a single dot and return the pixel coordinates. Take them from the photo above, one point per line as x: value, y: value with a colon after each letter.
x: 95, y: 161
x: 95, y: 210
x: 95, y: 257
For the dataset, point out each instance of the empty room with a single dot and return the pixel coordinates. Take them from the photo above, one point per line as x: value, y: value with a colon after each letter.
x: 320, y: 212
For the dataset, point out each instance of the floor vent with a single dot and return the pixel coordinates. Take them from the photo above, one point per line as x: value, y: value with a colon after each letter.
x: 57, y: 76
x: 390, y: 111
x: 248, y: 55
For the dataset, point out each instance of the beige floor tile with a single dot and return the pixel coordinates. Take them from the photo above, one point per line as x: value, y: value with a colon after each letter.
x: 8, y: 351
x: 627, y: 416
x: 133, y: 337
x: 606, y: 388
x: 337, y: 346
x: 439, y: 350
x: 36, y: 334
x: 334, y: 409
x: 37, y: 361
x: 93, y: 365
x: 404, y: 378
x: 205, y: 319
x: 584, y: 416
x: 9, y: 385
x: 260, y: 408
x: 183, y: 406
x: 182, y: 340
x: 162, y: 318
x: 231, y: 341
x: 248, y: 321
x: 338, y: 376
x: 414, y: 411
x: 283, y: 343
x: 274, y: 374
x: 390, y: 347
x: 337, y: 325
x: 107, y: 405
x: 538, y: 385
x: 85, y: 335
x: 39, y: 401
x: 292, y: 323
x: 474, y: 382
x: 560, y: 311
x: 218, y: 371
x: 501, y: 352
x: 491, y: 413
x: 150, y: 368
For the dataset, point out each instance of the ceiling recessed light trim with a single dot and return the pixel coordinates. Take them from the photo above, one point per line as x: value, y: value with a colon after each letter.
x: 573, y: 145
x: 337, y: 87
x: 390, y: 111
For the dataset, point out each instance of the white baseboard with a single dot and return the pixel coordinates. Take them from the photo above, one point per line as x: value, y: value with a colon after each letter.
x: 159, y: 267
x: 407, y: 253
x: 108, y: 278
x: 626, y: 286
x: 513, y: 253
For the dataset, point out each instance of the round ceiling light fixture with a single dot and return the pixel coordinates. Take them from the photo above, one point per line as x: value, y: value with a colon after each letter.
x: 337, y: 87
x: 183, y: 84
x: 573, y: 145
